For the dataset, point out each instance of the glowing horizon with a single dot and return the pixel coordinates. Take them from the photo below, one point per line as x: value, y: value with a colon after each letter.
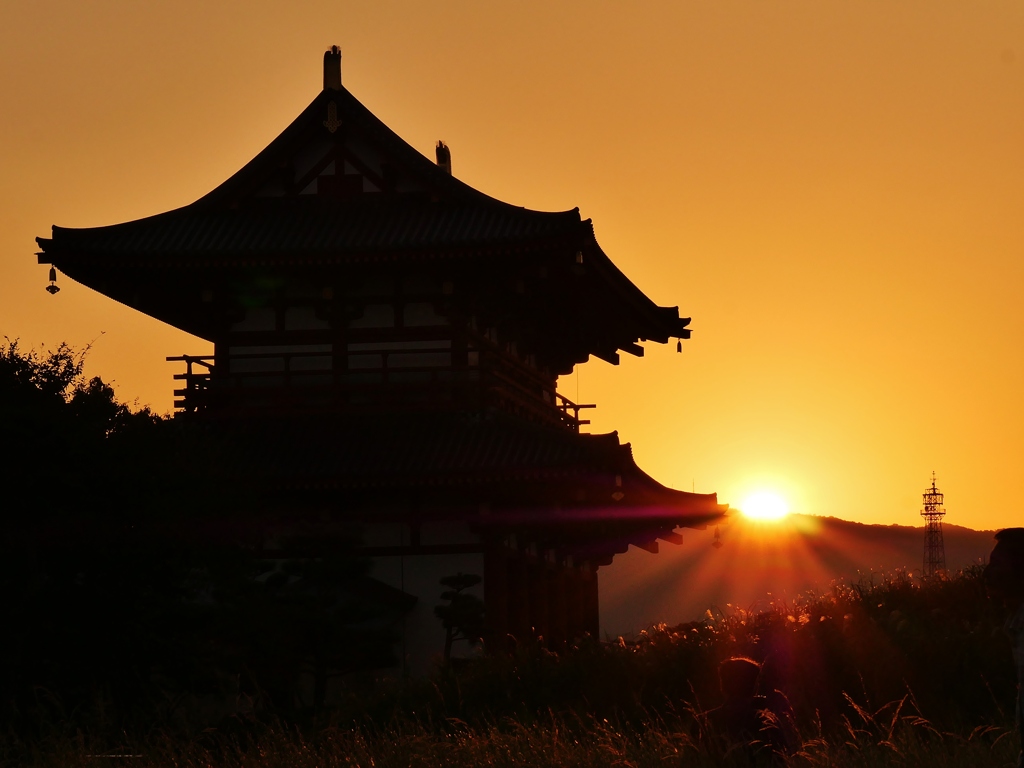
x: 820, y: 187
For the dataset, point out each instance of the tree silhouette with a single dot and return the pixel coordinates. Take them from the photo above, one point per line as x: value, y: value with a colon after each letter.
x: 131, y: 562
x: 463, y: 614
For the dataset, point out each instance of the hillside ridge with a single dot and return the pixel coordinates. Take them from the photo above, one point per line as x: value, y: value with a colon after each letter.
x: 762, y: 561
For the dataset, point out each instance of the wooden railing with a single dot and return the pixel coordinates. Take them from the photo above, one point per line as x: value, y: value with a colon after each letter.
x: 390, y: 388
x: 194, y: 396
x: 528, y: 402
x: 564, y: 404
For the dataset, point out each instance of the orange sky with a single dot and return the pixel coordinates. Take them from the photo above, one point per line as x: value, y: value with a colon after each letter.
x: 833, y: 190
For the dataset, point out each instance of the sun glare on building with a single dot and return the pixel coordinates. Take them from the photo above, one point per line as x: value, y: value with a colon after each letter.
x: 764, y: 505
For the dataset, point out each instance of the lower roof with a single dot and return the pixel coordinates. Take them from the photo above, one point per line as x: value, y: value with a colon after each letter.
x: 290, y: 231
x: 524, y: 472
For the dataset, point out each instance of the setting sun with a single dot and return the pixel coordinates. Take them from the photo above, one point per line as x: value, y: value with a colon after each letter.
x: 764, y: 505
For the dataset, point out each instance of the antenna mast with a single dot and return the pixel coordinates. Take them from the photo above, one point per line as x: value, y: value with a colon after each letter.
x: 934, y: 547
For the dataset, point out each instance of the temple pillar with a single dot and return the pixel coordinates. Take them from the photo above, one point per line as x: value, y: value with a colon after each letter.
x: 557, y: 619
x: 573, y: 604
x: 518, y: 598
x: 591, y: 606
x: 538, y: 598
x: 496, y: 597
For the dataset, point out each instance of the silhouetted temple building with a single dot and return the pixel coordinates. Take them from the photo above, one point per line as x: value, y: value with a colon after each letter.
x: 392, y: 338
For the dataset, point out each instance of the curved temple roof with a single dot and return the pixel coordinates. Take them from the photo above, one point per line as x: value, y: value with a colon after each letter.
x: 339, y: 187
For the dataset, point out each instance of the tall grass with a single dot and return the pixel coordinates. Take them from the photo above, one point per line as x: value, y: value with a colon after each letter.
x: 893, y: 670
x: 889, y: 737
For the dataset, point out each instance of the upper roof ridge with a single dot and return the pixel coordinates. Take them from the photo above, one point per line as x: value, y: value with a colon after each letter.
x: 336, y: 118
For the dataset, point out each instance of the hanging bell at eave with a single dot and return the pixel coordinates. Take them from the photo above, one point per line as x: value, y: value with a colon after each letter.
x: 52, y: 288
x: 679, y: 345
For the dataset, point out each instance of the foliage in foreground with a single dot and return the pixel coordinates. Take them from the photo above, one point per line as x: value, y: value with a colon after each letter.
x: 850, y: 662
x: 874, y: 641
x: 893, y: 736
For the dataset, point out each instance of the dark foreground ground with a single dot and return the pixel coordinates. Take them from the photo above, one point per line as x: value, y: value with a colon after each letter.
x: 554, y: 742
x: 900, y: 672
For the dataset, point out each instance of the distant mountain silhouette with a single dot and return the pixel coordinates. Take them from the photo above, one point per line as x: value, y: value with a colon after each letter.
x: 759, y: 562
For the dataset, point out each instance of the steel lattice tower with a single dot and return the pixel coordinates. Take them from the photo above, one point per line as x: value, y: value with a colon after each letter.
x: 934, y: 547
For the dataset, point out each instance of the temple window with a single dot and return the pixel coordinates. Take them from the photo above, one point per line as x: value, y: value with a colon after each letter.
x: 256, y: 364
x: 420, y: 360
x: 375, y: 316
x: 365, y: 361
x: 422, y: 314
x: 257, y: 319
x: 303, y: 319
x: 279, y: 357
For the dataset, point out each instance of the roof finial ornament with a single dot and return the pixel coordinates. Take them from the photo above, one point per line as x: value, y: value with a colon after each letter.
x: 332, y: 69
x: 444, y: 158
